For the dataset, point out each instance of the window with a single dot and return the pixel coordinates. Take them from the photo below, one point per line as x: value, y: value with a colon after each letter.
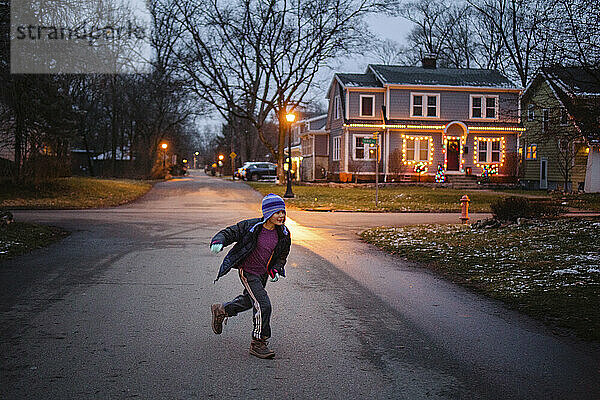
x: 476, y: 107
x: 424, y: 105
x: 564, y: 116
x: 530, y: 112
x: 484, y: 107
x: 367, y: 105
x: 417, y: 106
x: 363, y: 151
x: 417, y: 149
x: 335, y: 154
x: 545, y: 118
x: 337, y: 107
x: 531, y: 152
x: 488, y: 151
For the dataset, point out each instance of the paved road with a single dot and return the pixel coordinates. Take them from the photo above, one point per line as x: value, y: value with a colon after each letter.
x: 120, y: 309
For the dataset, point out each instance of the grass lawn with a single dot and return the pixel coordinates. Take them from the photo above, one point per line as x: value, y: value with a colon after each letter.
x: 71, y: 193
x: 585, y: 201
x: 19, y: 238
x: 549, y: 269
x: 392, y: 198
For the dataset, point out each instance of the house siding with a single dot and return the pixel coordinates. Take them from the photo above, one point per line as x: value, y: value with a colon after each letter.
x: 321, y: 145
x: 454, y: 105
x: 543, y: 97
x: 354, y: 104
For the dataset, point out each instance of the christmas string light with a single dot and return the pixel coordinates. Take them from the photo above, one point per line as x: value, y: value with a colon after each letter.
x: 478, y: 139
x: 406, y: 138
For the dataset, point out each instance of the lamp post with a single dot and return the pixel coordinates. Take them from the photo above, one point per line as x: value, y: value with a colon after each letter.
x: 290, y: 117
x: 164, y: 147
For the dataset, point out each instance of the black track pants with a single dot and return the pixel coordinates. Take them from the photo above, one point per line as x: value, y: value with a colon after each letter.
x: 255, y: 296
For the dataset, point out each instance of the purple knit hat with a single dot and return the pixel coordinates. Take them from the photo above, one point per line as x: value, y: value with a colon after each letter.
x: 272, y: 203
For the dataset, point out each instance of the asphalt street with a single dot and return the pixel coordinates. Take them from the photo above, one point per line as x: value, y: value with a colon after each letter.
x: 121, y: 309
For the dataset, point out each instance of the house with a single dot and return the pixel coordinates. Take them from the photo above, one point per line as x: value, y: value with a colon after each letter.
x: 313, y: 150
x: 424, y: 119
x: 560, y: 147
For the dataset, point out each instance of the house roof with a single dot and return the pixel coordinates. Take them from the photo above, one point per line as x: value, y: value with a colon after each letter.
x: 576, y: 81
x: 470, y: 77
x: 318, y: 123
x: 578, y: 89
x: 478, y: 124
x: 359, y: 80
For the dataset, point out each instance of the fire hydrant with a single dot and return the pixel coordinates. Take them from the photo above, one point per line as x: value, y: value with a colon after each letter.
x: 464, y: 202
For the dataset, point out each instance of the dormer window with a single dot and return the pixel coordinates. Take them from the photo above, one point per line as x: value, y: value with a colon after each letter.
x: 367, y: 105
x: 425, y: 105
x: 484, y: 107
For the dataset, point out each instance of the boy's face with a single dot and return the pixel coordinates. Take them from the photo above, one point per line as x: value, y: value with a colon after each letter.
x: 278, y: 218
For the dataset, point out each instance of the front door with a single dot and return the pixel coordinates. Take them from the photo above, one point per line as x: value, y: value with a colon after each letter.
x: 453, y: 155
x: 544, y: 174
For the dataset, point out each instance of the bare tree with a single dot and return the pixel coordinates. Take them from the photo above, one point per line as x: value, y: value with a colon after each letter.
x: 387, y: 51
x: 520, y: 25
x: 252, y: 59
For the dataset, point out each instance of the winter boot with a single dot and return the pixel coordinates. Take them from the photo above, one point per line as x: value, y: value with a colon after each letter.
x: 218, y: 315
x: 259, y: 348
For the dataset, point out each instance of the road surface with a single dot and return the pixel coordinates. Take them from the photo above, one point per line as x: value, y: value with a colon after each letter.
x: 120, y: 309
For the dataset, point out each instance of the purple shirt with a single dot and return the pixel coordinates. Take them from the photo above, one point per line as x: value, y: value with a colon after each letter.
x: 256, y: 262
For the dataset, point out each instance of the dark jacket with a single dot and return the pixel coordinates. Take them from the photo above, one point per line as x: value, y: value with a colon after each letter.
x: 245, y: 236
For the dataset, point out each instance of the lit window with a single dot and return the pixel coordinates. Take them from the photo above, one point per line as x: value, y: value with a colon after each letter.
x: 484, y: 107
x: 531, y: 152
x: 367, y: 106
x: 425, y: 105
x: 488, y: 151
x: 417, y: 149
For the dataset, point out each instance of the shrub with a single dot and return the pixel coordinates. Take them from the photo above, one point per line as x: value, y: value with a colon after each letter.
x: 512, y: 208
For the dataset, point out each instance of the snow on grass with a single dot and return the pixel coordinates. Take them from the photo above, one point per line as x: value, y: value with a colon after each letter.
x: 546, y: 268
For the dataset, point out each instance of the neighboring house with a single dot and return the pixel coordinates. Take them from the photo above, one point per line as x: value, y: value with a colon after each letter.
x: 459, y: 120
x: 313, y: 148
x: 561, y: 111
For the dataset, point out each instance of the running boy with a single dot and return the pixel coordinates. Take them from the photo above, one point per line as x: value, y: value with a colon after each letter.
x: 261, y: 249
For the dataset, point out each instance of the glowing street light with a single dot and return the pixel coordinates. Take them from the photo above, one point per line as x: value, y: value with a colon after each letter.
x: 221, y: 157
x: 290, y: 117
x: 164, y: 147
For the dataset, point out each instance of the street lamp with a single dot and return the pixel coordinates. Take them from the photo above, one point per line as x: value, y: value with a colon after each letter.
x: 290, y: 117
x: 164, y: 147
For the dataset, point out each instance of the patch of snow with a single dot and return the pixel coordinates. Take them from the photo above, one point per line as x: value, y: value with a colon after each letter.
x: 565, y: 271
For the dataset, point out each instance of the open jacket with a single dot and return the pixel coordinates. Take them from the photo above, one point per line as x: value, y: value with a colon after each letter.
x: 245, y: 236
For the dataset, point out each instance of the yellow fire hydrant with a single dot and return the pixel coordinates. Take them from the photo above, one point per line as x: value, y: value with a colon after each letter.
x: 464, y: 202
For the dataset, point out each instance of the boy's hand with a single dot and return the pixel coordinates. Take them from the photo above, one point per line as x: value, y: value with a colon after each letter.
x: 217, y: 247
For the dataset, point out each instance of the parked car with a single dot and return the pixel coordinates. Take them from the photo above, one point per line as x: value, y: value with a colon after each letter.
x: 238, y: 172
x: 259, y: 170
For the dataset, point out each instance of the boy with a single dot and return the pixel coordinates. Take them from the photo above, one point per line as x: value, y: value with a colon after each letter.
x: 261, y: 250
